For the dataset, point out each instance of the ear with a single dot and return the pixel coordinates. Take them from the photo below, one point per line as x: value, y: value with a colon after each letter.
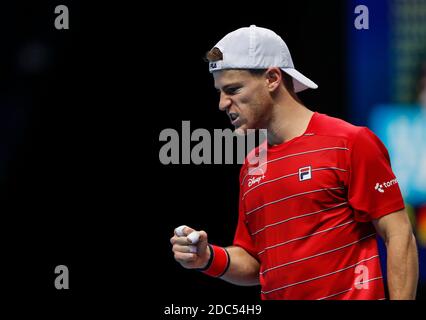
x: 273, y: 78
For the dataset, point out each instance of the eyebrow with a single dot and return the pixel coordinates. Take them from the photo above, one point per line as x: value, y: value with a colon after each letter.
x: 225, y: 87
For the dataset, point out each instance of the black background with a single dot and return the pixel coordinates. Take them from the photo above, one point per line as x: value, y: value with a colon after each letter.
x: 83, y: 185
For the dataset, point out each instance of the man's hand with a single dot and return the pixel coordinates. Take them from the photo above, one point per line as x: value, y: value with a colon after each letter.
x: 190, y: 255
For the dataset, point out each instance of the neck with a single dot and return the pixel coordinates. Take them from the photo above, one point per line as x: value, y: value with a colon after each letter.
x: 289, y: 119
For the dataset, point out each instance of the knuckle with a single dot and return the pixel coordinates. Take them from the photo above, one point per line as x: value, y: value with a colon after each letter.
x: 178, y: 257
x: 182, y: 241
x: 187, y: 230
x: 177, y: 248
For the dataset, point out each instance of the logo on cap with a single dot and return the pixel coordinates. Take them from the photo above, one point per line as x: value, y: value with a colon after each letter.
x: 213, y: 65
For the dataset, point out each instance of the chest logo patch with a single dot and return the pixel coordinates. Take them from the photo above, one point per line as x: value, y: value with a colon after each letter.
x: 255, y: 179
x: 305, y: 173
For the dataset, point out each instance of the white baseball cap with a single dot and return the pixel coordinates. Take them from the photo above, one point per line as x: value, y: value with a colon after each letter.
x: 258, y: 48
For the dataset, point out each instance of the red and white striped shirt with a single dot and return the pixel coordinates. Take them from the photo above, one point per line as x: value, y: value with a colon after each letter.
x: 307, y: 216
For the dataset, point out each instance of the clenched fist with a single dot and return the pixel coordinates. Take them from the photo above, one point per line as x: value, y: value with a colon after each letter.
x: 190, y: 247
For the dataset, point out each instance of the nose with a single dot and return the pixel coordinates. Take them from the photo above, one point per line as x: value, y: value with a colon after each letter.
x: 224, y: 102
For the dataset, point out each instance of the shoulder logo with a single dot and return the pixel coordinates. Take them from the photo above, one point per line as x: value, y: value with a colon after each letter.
x: 379, y: 186
x: 305, y: 173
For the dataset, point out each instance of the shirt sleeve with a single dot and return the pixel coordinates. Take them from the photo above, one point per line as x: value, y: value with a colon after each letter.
x: 242, y: 236
x: 373, y: 190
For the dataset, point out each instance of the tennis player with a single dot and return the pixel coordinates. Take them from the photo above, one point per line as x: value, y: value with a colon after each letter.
x: 308, y: 223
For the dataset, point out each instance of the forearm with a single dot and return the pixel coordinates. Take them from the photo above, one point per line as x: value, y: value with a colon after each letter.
x: 402, y: 267
x: 243, y: 269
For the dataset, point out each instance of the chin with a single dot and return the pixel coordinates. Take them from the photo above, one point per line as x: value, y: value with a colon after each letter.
x: 245, y: 129
x: 241, y: 131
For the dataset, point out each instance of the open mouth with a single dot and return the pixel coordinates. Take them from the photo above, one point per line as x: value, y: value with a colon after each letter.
x: 234, y: 118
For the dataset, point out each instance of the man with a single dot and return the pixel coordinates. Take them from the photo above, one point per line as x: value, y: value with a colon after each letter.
x: 307, y: 225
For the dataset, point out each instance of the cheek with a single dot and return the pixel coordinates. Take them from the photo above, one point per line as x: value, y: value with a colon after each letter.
x: 250, y: 102
x: 253, y: 106
x: 257, y: 106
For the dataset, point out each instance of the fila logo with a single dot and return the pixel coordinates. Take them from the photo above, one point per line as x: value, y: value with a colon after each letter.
x: 213, y: 65
x: 305, y: 173
x: 379, y: 186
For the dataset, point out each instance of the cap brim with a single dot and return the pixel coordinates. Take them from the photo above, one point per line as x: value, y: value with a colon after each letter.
x: 301, y: 82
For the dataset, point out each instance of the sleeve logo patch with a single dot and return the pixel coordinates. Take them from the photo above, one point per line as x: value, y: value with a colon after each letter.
x: 379, y: 186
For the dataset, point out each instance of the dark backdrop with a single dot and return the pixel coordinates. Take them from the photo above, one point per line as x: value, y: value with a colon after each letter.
x: 82, y: 110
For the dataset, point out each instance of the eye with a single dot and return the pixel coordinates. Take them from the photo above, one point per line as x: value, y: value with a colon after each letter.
x: 232, y: 90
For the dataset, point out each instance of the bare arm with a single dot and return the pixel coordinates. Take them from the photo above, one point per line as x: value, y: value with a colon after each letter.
x: 243, y: 268
x: 402, y: 260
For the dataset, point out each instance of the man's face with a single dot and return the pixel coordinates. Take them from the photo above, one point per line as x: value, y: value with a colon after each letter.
x: 245, y: 98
